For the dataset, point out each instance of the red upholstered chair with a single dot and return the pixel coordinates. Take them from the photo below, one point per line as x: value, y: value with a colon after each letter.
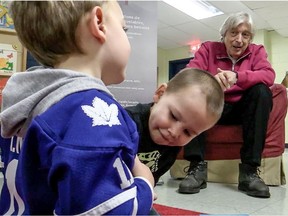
x: 224, y: 143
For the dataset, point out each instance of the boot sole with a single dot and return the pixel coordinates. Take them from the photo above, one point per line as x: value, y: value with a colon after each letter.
x: 187, y: 190
x: 258, y: 194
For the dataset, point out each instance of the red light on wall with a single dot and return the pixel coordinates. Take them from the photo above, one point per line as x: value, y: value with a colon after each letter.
x: 194, y: 46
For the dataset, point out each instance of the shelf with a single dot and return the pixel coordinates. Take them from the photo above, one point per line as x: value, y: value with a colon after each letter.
x: 5, y: 74
x: 7, y: 31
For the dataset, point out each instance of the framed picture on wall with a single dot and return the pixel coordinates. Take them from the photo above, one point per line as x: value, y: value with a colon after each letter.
x: 6, y: 22
x: 8, y: 59
x: 12, y: 53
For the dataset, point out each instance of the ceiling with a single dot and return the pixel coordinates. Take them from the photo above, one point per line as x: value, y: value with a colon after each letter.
x: 176, y: 29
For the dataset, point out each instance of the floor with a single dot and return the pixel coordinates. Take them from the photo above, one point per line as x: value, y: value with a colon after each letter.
x: 225, y: 199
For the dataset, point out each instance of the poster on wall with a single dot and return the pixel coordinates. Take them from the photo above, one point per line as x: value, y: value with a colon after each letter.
x: 141, y: 75
x: 8, y: 59
x: 6, y: 21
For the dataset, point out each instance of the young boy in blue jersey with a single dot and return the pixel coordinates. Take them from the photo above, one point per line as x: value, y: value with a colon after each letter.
x: 69, y: 147
x: 190, y: 103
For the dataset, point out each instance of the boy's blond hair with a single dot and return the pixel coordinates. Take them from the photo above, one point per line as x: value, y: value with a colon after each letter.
x: 209, y: 86
x: 49, y: 28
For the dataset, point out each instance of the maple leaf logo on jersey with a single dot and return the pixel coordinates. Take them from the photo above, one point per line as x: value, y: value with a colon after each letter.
x: 101, y: 113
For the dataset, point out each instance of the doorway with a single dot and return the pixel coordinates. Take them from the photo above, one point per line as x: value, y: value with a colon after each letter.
x: 176, y: 65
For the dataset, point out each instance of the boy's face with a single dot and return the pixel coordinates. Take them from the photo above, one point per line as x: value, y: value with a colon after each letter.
x: 117, y: 45
x: 176, y: 118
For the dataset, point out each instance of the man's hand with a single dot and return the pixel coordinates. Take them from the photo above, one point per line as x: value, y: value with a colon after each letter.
x: 226, y: 78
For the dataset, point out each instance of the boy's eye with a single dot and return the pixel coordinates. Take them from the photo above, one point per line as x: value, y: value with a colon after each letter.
x: 125, y: 28
x: 187, y: 132
x: 173, y: 116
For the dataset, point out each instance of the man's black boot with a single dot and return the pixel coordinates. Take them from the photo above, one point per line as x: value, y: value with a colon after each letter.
x: 195, y: 179
x: 251, y: 183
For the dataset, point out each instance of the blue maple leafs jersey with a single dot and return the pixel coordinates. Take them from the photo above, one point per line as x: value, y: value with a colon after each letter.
x: 76, y: 158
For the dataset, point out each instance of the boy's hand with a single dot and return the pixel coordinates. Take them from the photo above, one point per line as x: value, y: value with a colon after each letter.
x: 142, y: 170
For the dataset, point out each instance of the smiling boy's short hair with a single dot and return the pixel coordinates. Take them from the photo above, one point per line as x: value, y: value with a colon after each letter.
x: 209, y: 86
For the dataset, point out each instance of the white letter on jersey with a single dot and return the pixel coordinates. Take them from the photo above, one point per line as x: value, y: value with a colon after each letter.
x: 120, y: 169
x: 11, y: 176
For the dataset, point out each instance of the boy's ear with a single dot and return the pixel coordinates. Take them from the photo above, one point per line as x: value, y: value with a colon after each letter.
x: 96, y: 24
x: 159, y: 92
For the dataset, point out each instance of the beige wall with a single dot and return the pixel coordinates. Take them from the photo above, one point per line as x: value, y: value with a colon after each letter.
x: 276, y: 47
x: 279, y: 53
x: 164, y: 56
